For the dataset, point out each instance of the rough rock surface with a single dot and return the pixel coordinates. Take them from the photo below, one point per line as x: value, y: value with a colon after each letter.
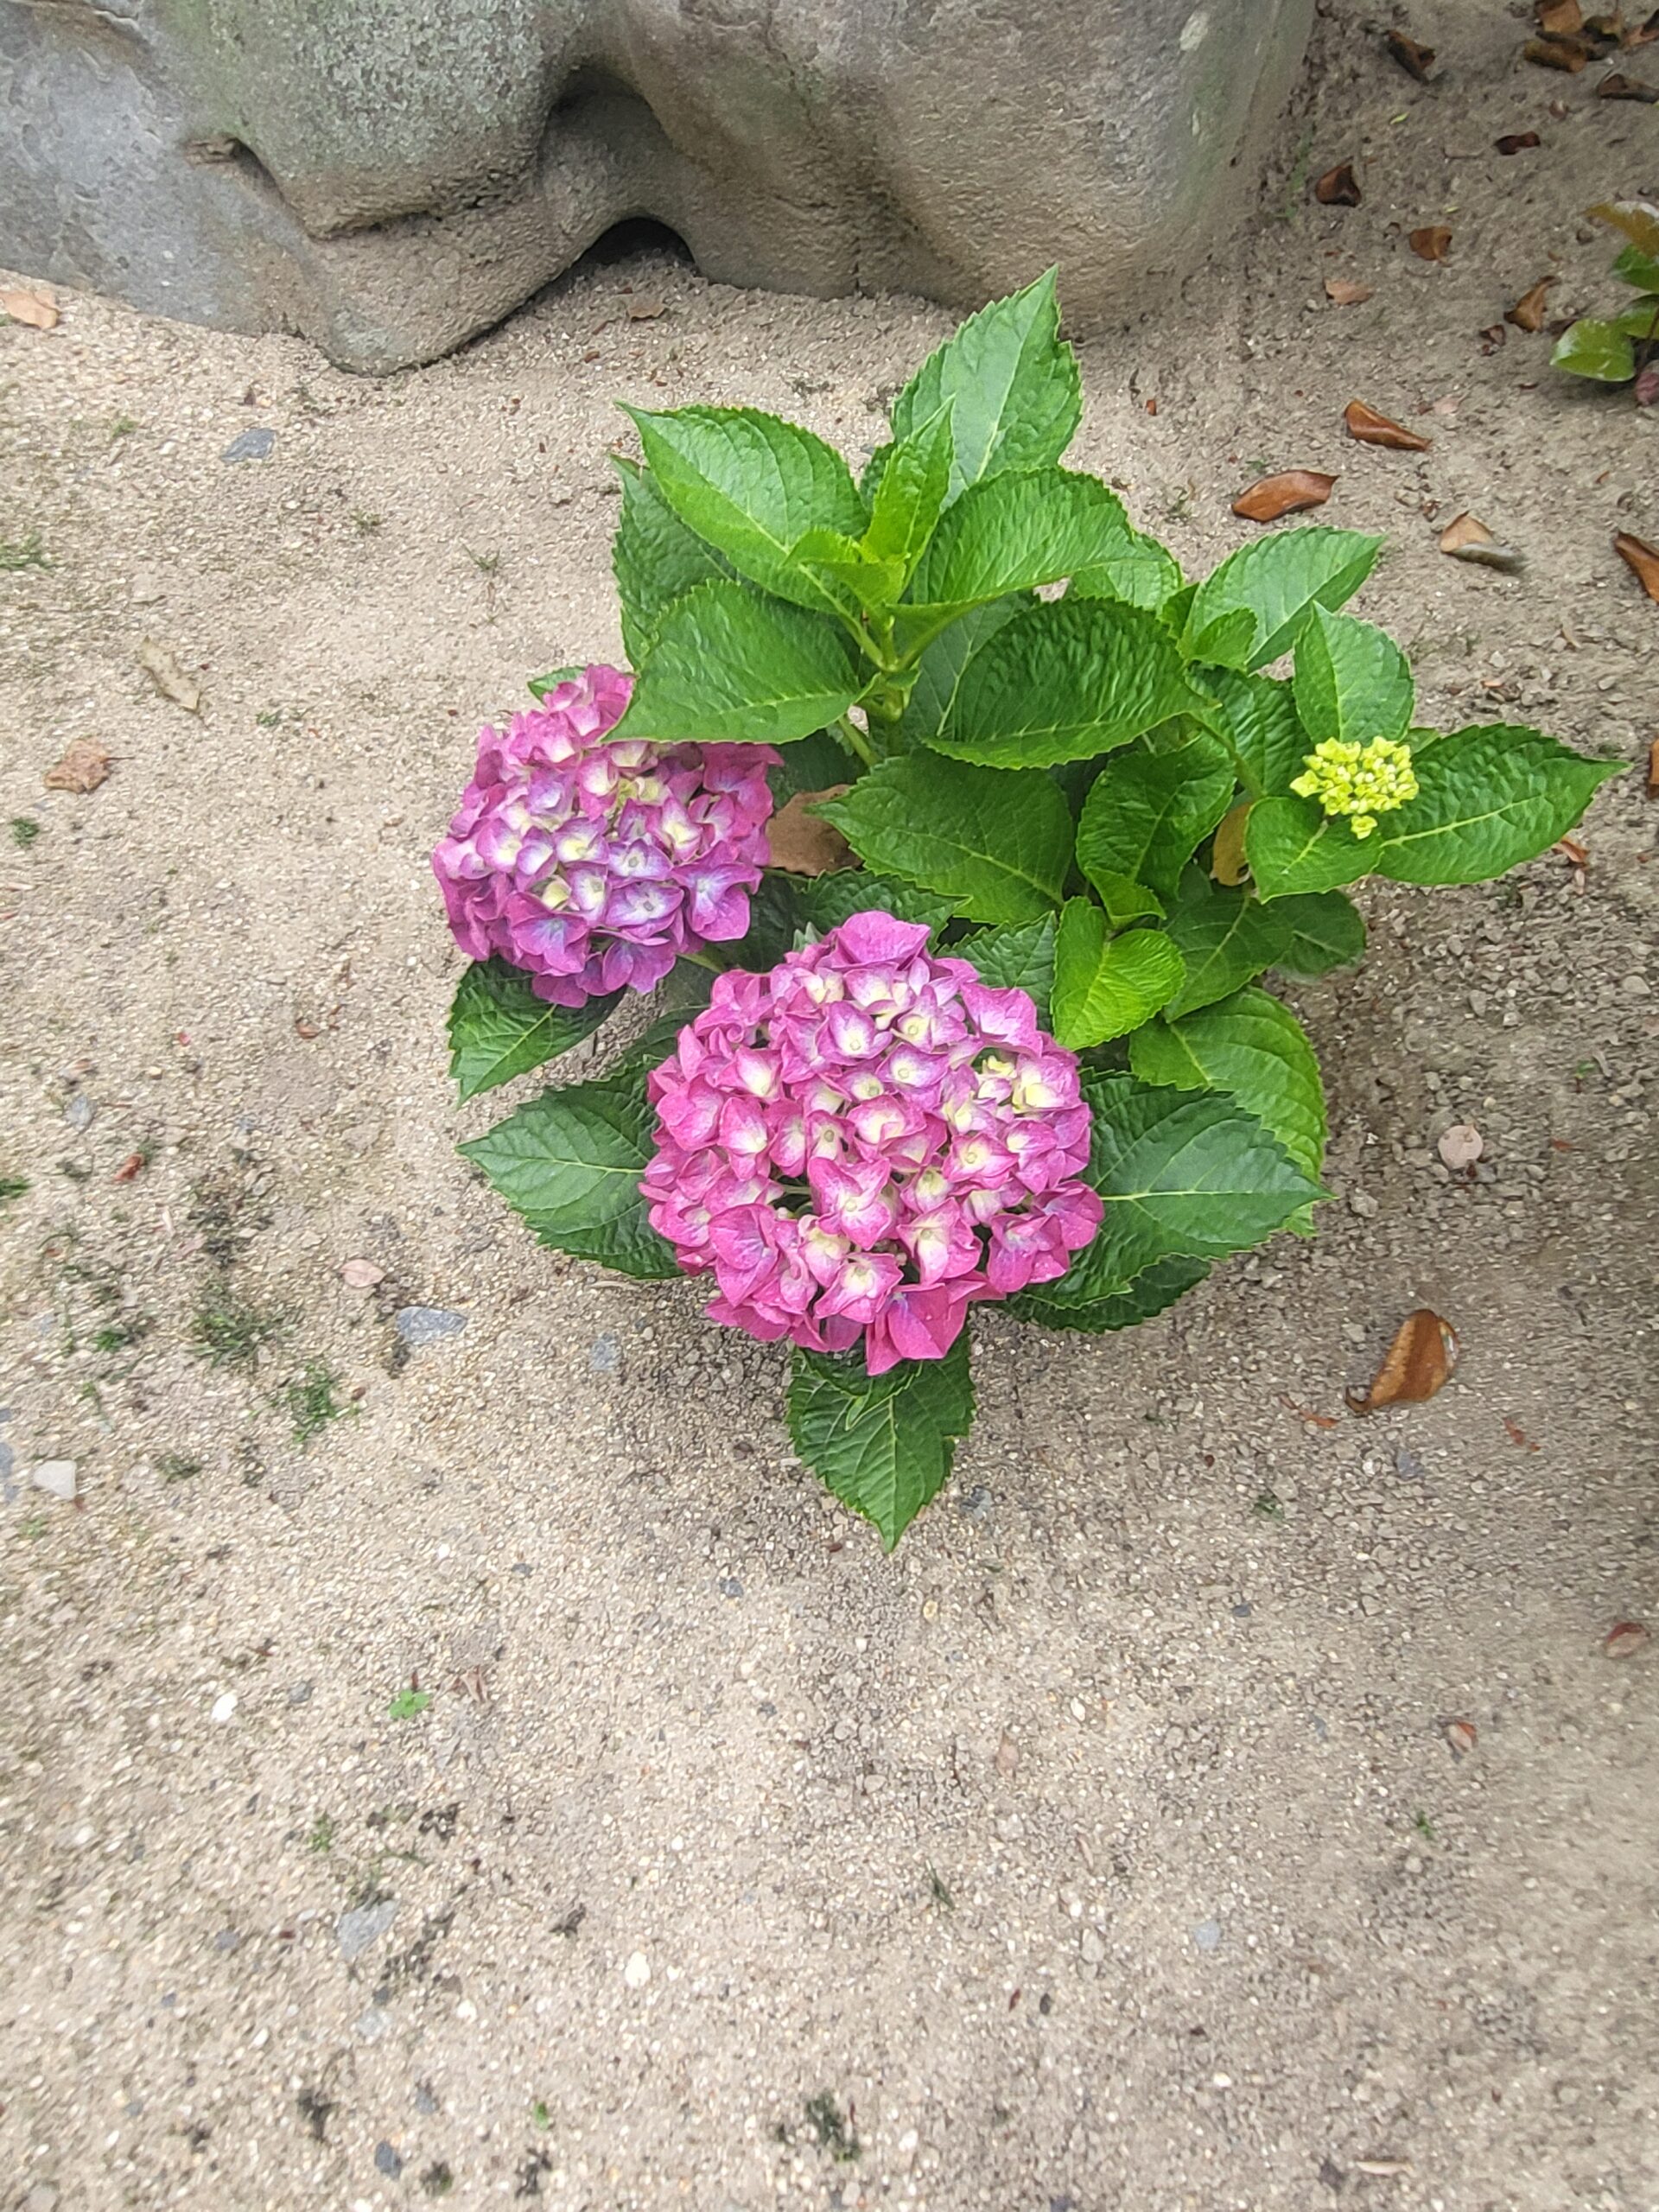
x: 390, y: 177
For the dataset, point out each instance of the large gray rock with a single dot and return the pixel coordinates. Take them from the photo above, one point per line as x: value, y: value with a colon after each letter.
x: 389, y: 176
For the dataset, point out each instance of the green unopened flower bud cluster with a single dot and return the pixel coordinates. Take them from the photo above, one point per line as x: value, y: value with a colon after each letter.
x: 1361, y: 781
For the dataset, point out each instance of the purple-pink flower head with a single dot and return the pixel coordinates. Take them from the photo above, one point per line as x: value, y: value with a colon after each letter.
x: 861, y: 1143
x: 591, y: 862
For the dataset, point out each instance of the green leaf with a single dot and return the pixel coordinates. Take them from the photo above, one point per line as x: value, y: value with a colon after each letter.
x: 1021, y: 959
x: 752, y: 486
x: 1011, y: 533
x: 1278, y: 580
x: 1258, y: 718
x: 1225, y: 936
x: 1488, y: 799
x: 826, y: 901
x: 1640, y: 320
x: 570, y: 1160
x: 1105, y: 986
x: 1353, y: 681
x: 939, y: 669
x: 910, y: 498
x: 1125, y: 900
x: 1139, y: 570
x: 1066, y: 679
x: 1147, y: 813
x: 1639, y: 269
x: 408, y: 1705
x: 884, y: 1445
x: 1292, y: 845
x: 1252, y: 1047
x: 871, y: 583
x: 732, y: 668
x: 539, y: 686
x: 1014, y: 387
x: 996, y: 844
x: 812, y: 764
x: 1326, y: 931
x: 655, y: 558
x: 1600, y: 350
x: 499, y: 1028
x: 1150, y: 1292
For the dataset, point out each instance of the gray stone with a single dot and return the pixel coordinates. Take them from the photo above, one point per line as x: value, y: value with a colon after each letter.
x: 79, y: 1111
x: 363, y: 1925
x: 11, y: 1491
x: 387, y: 2161
x: 426, y: 1325
x: 56, y: 1478
x: 605, y: 1355
x: 389, y: 177
x: 372, y: 2024
x: 299, y: 1693
x: 1207, y: 1935
x: 250, y: 445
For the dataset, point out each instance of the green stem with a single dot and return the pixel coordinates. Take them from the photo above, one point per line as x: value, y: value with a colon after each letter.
x: 855, y: 740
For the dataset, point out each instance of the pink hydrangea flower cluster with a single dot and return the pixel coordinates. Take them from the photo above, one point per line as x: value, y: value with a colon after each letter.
x: 592, y: 863
x: 864, y: 1142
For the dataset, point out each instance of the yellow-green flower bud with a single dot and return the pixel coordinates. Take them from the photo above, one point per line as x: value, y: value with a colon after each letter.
x: 1361, y: 781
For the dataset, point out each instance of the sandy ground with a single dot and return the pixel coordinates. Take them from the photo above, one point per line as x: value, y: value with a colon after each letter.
x: 1106, y: 1848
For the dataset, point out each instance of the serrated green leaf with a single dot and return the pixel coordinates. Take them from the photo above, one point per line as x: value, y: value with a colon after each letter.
x: 1597, y: 350
x: 939, y: 669
x: 752, y: 486
x: 1012, y: 533
x: 1326, y: 931
x: 1225, y: 936
x: 539, y: 686
x: 1292, y: 845
x: 812, y: 764
x: 1125, y: 900
x: 910, y: 494
x: 1353, y: 681
x: 1277, y: 580
x: 1014, y: 391
x: 732, y: 667
x: 499, y: 1028
x: 654, y: 558
x: 1257, y: 716
x: 1147, y: 813
x: 826, y: 901
x: 1150, y: 1292
x: 1253, y: 1046
x: 570, y: 1162
x: 1021, y: 959
x: 1105, y: 986
x: 997, y: 843
x: 1064, y: 680
x: 1139, y: 570
x: 884, y: 1445
x: 871, y: 583
x: 1488, y: 798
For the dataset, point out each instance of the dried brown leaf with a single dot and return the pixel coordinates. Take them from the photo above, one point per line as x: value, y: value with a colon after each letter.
x: 1374, y: 429
x: 1568, y: 54
x: 1635, y: 219
x: 1339, y: 187
x: 804, y: 843
x: 1559, y: 17
x: 31, y: 308
x: 1653, y: 769
x: 1617, y: 86
x: 82, y: 768
x: 1346, y: 293
x: 1465, y: 537
x: 1643, y: 34
x: 1518, y: 141
x: 1227, y: 862
x: 1623, y: 1638
x: 1416, y: 60
x: 1518, y: 1436
x: 1493, y: 337
x: 1460, y: 1146
x: 1302, y: 1413
x: 1432, y: 243
x: 1287, y: 494
x: 1641, y: 559
x: 169, y: 679
x: 1646, y: 387
x: 1420, y: 1361
x: 130, y: 1168
x: 1461, y: 1735
x: 1528, y: 313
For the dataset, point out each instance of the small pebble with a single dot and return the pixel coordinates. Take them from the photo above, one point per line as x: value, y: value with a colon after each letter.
x: 1207, y: 1935
x: 250, y: 445
x: 426, y: 1325
x: 1461, y: 1146
x: 606, y: 1355
x: 79, y: 1111
x: 227, y: 1939
x: 56, y: 1478
x: 637, y: 1973
x: 300, y: 1693
x: 387, y: 2161
x: 224, y: 1708
x: 362, y: 1925
x: 372, y: 2024
x: 424, y: 2099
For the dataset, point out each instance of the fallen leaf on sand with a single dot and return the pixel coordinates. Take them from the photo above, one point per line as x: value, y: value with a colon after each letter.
x: 1460, y: 1146
x: 130, y: 1168
x: 802, y: 842
x: 644, y: 307
x: 1346, y: 293
x: 31, y: 308
x: 1519, y: 142
x: 361, y: 1274
x: 1339, y: 187
x: 1313, y: 1421
x: 1374, y: 429
x: 1269, y: 497
x: 1653, y: 769
x: 1420, y: 1361
x: 1619, y: 86
x: 1568, y: 53
x: 1641, y: 559
x: 82, y: 768
x: 1416, y: 60
x: 1635, y: 219
x: 1227, y: 863
x: 1528, y: 313
x: 1384, y: 2168
x: 1492, y: 337
x: 1432, y: 243
x: 1465, y: 537
x: 1518, y: 1436
x: 1562, y: 17
x: 1461, y: 1735
x: 1623, y: 1638
x: 169, y: 679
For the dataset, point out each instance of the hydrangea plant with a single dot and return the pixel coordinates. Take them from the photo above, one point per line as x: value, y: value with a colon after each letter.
x: 1020, y: 1049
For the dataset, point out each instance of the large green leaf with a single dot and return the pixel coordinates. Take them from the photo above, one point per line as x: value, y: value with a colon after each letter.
x: 570, y: 1162
x: 1639, y: 269
x: 997, y: 844
x: 752, y: 486
x: 910, y: 495
x: 1015, y: 394
x: 1105, y: 986
x: 1256, y: 714
x: 1226, y: 937
x: 1253, y: 1046
x: 1488, y: 798
x: 1150, y: 1292
x: 1326, y: 931
x: 499, y: 1028
x: 884, y: 1445
x: 826, y: 901
x: 1012, y: 532
x: 812, y: 764
x: 1353, y: 681
x: 654, y: 557
x: 1147, y: 813
x: 732, y: 667
x: 939, y: 669
x: 1141, y: 570
x: 1020, y: 958
x: 1599, y: 350
x: 1292, y: 845
x: 1276, y: 580
x: 1065, y: 680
